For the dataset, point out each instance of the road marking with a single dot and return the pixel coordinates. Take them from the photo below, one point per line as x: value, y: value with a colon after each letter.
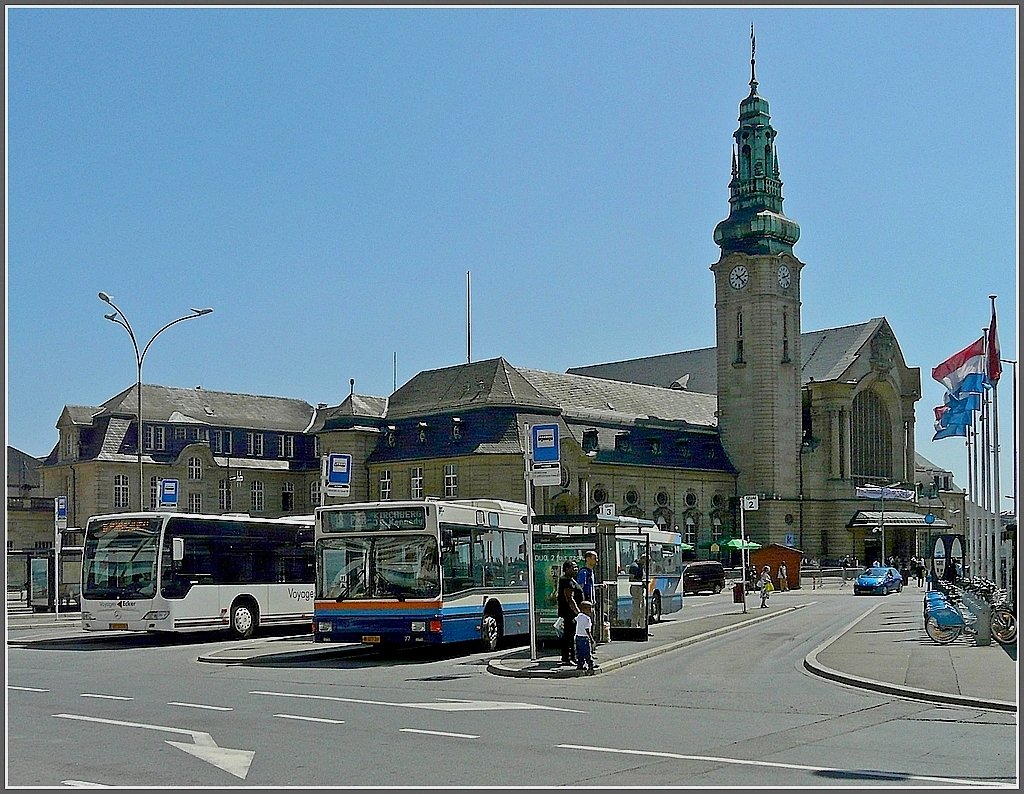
x: 310, y: 719
x: 28, y: 689
x: 861, y: 773
x: 440, y: 733
x: 235, y: 762
x: 200, y: 706
x: 104, y: 697
x: 450, y: 705
x: 82, y: 784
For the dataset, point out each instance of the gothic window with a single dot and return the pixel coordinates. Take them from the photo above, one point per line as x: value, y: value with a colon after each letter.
x: 739, y: 337
x: 785, y: 336
x: 314, y: 493
x: 871, y: 437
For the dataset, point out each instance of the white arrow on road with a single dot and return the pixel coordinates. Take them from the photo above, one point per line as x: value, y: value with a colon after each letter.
x: 235, y: 762
x: 445, y: 704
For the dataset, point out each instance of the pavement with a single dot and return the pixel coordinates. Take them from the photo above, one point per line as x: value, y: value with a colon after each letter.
x: 885, y: 649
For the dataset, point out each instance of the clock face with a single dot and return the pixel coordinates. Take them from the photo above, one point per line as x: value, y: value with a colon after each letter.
x: 738, y: 277
x: 785, y: 279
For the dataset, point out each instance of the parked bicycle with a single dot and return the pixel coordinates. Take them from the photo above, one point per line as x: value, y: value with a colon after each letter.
x: 946, y: 618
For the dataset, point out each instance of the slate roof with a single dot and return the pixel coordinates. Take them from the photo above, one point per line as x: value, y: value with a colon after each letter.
x: 22, y: 470
x: 824, y: 355
x: 493, y: 383
x: 214, y: 408
x: 356, y: 411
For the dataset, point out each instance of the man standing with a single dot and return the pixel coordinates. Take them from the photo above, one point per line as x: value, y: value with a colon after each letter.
x: 570, y: 596
x: 638, y: 589
x: 585, y: 579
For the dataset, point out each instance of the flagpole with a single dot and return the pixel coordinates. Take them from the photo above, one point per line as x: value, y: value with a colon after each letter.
x: 986, y: 491
x: 972, y: 473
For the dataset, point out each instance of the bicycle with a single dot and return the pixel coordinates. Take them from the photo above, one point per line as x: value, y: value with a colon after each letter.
x: 945, y: 620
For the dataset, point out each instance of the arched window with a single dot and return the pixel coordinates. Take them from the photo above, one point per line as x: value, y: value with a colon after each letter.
x: 871, y: 437
x: 314, y: 493
x: 121, y: 492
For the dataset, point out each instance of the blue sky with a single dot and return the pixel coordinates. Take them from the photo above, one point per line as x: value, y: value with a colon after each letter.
x: 324, y: 178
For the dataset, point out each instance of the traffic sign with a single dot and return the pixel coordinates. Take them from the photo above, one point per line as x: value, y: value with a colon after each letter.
x: 169, y: 493
x: 749, y: 502
x: 60, y: 512
x: 338, y: 471
x: 545, y: 467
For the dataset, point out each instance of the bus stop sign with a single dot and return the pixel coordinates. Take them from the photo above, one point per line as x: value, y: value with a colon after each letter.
x: 339, y: 474
x: 169, y: 493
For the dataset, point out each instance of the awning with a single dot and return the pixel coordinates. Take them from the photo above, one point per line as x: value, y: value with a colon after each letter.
x: 870, y: 519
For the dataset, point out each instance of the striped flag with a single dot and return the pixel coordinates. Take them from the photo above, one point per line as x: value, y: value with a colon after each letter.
x: 964, y: 372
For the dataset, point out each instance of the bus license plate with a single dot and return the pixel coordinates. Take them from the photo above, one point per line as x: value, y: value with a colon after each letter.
x: 118, y: 626
x: 371, y: 638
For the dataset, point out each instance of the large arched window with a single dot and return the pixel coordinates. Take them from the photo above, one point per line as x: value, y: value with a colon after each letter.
x: 871, y: 437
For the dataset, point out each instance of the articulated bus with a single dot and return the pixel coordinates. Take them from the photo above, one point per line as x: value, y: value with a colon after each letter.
x: 170, y: 572
x: 421, y: 572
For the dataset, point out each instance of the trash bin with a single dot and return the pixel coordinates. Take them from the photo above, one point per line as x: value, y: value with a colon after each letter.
x: 738, y: 596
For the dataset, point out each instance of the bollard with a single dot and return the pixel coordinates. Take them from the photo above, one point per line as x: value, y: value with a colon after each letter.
x: 983, y: 619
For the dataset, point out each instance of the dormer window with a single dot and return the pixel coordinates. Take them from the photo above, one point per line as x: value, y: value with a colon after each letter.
x: 622, y: 442
x: 456, y: 428
x: 655, y: 446
x: 389, y: 435
x: 590, y: 440
x: 422, y: 427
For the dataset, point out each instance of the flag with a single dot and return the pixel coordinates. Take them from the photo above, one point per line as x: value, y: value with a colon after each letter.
x: 995, y: 366
x: 958, y: 410
x: 949, y: 431
x: 964, y: 372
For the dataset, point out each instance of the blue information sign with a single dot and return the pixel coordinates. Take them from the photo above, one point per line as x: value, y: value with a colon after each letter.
x: 168, y: 493
x: 339, y: 473
x: 545, y: 468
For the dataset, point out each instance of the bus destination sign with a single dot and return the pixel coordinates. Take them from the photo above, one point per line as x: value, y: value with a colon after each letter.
x: 382, y: 519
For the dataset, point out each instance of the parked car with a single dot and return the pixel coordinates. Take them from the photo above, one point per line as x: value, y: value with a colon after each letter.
x: 707, y: 576
x: 881, y: 581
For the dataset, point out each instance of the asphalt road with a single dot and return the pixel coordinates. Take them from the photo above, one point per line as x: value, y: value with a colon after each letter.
x: 737, y: 710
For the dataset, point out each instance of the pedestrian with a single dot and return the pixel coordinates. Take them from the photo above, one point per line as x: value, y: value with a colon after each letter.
x: 585, y: 578
x: 584, y: 638
x: 638, y: 590
x: 919, y: 572
x: 765, y: 583
x: 570, y: 595
x: 845, y: 562
x: 783, y: 577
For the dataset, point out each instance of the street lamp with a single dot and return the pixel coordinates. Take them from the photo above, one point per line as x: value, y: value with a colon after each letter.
x: 118, y: 316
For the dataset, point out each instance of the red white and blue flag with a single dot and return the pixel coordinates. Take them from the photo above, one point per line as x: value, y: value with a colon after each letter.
x: 965, y: 372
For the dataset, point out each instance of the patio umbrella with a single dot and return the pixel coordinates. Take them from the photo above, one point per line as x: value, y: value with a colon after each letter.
x: 738, y: 543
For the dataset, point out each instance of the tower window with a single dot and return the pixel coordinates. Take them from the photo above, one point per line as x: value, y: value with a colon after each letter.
x: 785, y: 336
x: 739, y: 338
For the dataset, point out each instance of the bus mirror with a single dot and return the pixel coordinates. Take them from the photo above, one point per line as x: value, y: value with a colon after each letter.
x: 177, y: 549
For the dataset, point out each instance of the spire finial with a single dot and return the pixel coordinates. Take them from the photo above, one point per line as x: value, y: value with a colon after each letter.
x: 753, y: 50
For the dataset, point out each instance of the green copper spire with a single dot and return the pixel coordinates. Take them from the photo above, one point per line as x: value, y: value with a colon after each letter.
x: 755, y: 224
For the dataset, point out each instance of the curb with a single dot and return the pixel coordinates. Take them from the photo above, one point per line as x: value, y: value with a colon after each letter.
x: 813, y: 666
x: 497, y: 667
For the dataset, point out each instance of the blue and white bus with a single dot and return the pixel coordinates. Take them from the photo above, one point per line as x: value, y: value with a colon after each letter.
x: 421, y: 572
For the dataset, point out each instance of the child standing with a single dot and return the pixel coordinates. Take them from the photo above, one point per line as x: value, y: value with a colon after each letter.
x: 584, y: 639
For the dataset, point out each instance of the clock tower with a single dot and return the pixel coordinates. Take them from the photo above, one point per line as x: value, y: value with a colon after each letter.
x: 757, y: 307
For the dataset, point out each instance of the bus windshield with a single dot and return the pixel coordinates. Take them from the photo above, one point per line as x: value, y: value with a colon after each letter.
x: 119, y: 559
x: 379, y: 567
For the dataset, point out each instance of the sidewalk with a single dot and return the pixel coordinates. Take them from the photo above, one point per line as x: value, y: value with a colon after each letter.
x: 884, y: 650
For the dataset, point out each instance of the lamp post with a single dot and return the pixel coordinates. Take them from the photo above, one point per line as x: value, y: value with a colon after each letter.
x: 118, y: 316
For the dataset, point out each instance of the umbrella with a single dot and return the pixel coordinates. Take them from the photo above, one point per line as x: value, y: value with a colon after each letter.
x: 684, y: 546
x: 737, y: 543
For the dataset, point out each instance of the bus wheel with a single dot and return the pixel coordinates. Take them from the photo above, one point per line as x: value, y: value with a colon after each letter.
x: 490, y: 631
x: 243, y: 619
x: 656, y: 608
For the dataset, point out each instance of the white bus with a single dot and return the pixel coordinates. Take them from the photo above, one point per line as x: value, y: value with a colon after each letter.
x: 168, y: 572
x: 421, y: 572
